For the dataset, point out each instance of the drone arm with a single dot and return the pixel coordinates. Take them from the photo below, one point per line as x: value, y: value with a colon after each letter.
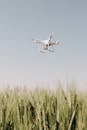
x: 57, y: 43
x: 36, y: 41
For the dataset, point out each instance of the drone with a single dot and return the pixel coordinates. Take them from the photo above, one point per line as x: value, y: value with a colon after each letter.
x: 46, y: 45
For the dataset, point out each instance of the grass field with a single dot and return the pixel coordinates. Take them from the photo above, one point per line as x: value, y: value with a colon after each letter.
x: 43, y: 109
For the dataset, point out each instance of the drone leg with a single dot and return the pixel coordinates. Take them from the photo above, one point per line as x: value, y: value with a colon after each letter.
x: 51, y: 50
x: 53, y: 47
x: 41, y: 49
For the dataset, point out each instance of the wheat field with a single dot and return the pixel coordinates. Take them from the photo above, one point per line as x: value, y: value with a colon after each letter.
x: 43, y: 109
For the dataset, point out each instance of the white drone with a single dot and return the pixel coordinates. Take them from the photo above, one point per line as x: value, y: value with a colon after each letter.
x: 46, y: 44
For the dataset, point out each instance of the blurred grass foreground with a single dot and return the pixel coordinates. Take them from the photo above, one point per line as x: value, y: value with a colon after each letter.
x: 43, y: 109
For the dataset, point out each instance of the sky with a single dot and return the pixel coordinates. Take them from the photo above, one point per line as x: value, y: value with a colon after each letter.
x: 21, y: 63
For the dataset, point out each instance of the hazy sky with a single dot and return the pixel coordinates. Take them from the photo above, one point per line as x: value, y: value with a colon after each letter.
x: 20, y: 60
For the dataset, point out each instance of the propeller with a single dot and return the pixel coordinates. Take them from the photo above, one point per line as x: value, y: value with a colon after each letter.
x: 50, y: 37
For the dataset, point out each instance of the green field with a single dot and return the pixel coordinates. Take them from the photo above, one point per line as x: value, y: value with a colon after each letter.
x: 43, y: 109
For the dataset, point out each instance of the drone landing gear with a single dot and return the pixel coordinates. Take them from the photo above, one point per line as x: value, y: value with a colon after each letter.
x: 46, y: 51
x: 42, y: 51
x: 51, y: 50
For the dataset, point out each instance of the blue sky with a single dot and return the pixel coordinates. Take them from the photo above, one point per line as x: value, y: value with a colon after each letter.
x: 20, y: 60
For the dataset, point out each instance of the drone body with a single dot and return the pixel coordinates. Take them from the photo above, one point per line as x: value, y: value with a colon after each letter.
x: 46, y: 44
